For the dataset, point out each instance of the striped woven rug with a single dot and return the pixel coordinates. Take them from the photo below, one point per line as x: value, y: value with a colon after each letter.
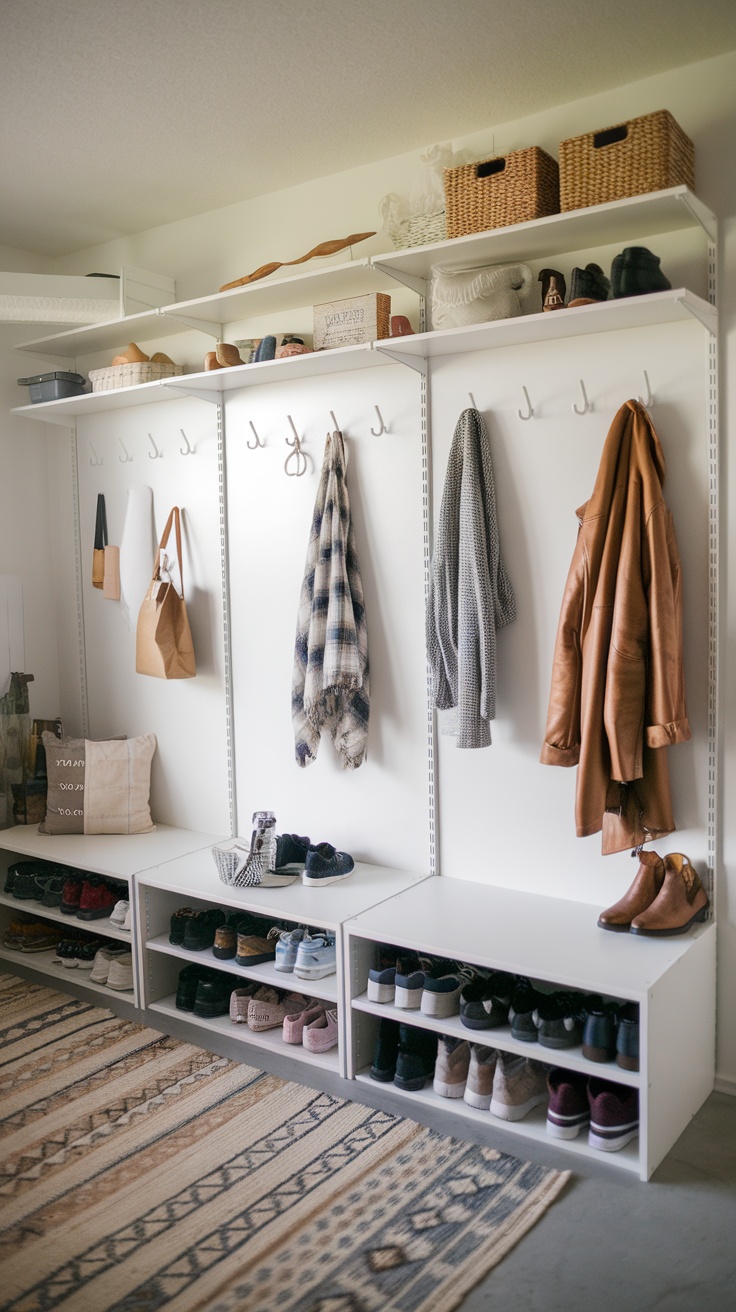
x: 140, y: 1172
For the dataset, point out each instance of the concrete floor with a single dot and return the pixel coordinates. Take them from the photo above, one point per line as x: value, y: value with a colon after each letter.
x: 613, y: 1244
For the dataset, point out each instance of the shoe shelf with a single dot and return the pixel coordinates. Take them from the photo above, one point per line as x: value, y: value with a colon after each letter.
x: 557, y: 945
x: 192, y: 880
x: 115, y: 856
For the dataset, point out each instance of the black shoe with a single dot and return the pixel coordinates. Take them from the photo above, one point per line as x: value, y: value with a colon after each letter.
x: 213, y: 995
x: 485, y: 1002
x: 524, y: 1002
x: 177, y: 924
x: 416, y: 1058
x: 588, y: 285
x: 599, y: 1031
x: 186, y: 989
x: 200, y: 929
x: 386, y: 1051
x: 627, y: 1038
x: 553, y: 289
x: 636, y: 271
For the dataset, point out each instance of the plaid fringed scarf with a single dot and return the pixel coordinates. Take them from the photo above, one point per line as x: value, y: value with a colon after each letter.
x: 330, y: 688
x: 470, y: 593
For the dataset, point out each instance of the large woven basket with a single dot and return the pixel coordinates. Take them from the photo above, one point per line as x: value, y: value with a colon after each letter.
x: 646, y: 154
x: 492, y: 193
x: 130, y: 375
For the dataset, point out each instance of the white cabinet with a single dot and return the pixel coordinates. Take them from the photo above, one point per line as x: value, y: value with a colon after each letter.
x: 192, y: 881
x: 117, y: 857
x: 558, y: 945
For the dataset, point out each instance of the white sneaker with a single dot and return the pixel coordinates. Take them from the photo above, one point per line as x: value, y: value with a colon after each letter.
x: 101, y: 964
x: 120, y: 976
x: 118, y: 914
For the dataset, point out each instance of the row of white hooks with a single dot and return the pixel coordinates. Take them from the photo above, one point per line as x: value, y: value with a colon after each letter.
x: 126, y: 458
x: 584, y: 409
x: 296, y: 455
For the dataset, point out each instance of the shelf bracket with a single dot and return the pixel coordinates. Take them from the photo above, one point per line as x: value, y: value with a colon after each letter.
x: 703, y: 216
x: 200, y: 325
x: 705, y: 314
x: 418, y: 285
x: 416, y: 362
x: 214, y: 396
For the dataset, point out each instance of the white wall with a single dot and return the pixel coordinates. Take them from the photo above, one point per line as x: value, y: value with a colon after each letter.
x: 218, y: 246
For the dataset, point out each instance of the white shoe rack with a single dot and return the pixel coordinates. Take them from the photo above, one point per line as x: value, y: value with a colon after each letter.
x: 557, y: 944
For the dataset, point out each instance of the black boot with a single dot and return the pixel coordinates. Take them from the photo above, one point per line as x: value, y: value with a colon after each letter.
x: 588, y: 285
x: 385, y: 1051
x: 636, y: 271
x: 416, y: 1058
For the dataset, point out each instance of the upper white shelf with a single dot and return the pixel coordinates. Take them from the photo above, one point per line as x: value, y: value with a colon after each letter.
x: 598, y: 225
x: 210, y: 313
x: 116, y: 855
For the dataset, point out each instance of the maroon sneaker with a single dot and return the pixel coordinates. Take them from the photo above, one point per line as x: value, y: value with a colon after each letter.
x: 614, y: 1115
x: 70, y: 895
x: 96, y: 900
x: 568, y: 1110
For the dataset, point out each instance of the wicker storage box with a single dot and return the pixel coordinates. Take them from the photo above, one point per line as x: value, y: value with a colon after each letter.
x: 419, y: 230
x: 130, y: 375
x: 646, y: 154
x: 492, y: 193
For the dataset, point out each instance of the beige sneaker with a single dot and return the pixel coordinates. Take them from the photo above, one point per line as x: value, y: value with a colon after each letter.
x: 451, y: 1068
x: 482, y: 1068
x: 518, y: 1086
x: 268, y: 1007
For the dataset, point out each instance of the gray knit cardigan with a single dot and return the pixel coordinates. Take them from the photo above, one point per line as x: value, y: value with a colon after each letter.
x: 470, y: 594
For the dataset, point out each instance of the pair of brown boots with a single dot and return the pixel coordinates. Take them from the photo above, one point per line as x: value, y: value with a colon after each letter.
x: 665, y: 898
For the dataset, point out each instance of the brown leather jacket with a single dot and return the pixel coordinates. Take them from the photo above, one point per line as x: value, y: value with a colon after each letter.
x: 618, y: 688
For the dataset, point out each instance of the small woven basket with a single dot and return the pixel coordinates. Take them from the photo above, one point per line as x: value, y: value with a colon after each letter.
x: 646, y: 154
x: 419, y: 230
x: 493, y: 193
x: 130, y: 375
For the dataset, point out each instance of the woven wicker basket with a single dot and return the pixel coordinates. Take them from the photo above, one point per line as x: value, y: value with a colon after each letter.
x: 419, y: 230
x: 130, y: 375
x: 493, y: 193
x: 646, y: 154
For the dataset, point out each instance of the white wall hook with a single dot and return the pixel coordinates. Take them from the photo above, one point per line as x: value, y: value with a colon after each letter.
x: 252, y: 446
x: 383, y: 429
x: 187, y: 449
x: 96, y: 460
x: 472, y: 401
x: 125, y: 457
x: 529, y: 406
x: 335, y: 425
x: 295, y: 440
x: 649, y: 398
x: 155, y: 454
x: 587, y: 405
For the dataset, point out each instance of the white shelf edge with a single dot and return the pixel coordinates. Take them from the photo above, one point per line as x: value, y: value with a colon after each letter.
x: 325, y: 988
x: 531, y: 1128
x: 270, y: 1040
x: 500, y: 1037
x: 42, y: 962
x: 100, y: 928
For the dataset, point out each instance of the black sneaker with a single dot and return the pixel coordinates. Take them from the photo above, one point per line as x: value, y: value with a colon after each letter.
x: 382, y: 976
x: 485, y: 1000
x: 627, y: 1037
x: 416, y: 1058
x: 386, y: 1051
x: 291, y: 854
x: 560, y: 1018
x: 599, y: 1030
x: 177, y: 924
x: 525, y: 1000
x: 411, y: 970
x: 325, y: 865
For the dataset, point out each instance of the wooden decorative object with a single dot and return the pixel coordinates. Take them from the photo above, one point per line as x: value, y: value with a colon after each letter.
x: 326, y: 248
x: 352, y: 321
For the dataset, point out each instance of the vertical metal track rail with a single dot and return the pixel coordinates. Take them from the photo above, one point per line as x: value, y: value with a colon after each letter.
x: 226, y: 637
x: 714, y: 594
x: 81, y: 644
x: 426, y: 440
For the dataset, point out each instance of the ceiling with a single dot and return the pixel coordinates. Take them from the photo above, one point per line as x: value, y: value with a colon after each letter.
x: 121, y: 116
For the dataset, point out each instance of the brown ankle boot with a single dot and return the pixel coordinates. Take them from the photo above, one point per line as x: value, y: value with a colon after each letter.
x: 681, y: 901
x: 647, y: 884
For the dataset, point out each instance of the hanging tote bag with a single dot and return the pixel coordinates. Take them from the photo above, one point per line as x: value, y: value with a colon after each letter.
x: 98, y: 554
x: 163, y: 645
